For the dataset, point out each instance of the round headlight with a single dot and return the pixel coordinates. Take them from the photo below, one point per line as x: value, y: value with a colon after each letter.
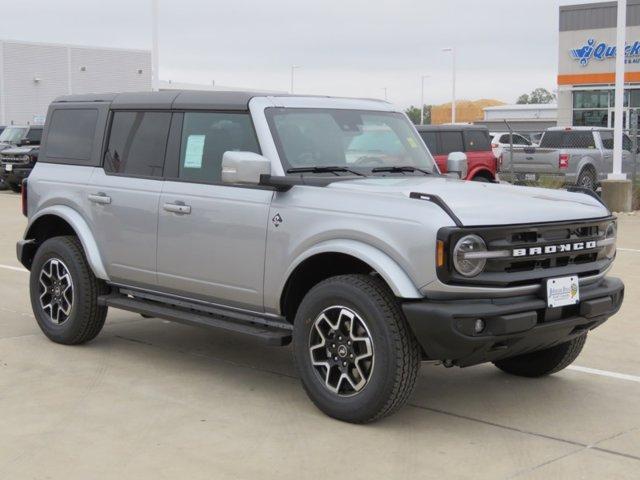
x: 463, y: 258
x: 610, y: 240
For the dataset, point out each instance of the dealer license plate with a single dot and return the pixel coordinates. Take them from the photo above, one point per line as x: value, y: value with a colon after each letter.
x: 530, y: 177
x: 8, y: 168
x: 563, y: 291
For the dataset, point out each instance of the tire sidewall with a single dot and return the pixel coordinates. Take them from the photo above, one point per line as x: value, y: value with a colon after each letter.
x: 380, y: 385
x: 73, y: 326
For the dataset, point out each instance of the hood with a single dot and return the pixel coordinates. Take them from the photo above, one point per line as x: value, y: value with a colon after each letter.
x: 481, y: 204
x: 19, y: 150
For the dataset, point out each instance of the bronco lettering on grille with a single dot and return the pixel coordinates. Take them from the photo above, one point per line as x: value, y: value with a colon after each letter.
x: 551, y: 249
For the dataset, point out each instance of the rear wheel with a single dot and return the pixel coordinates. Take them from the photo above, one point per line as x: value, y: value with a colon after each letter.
x: 356, y: 356
x: 587, y: 179
x: 64, y: 292
x: 543, y: 362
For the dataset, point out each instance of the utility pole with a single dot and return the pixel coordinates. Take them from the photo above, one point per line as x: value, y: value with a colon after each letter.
x: 619, y: 93
x: 422, y: 77
x: 453, y: 82
x: 155, y: 53
x: 293, y: 69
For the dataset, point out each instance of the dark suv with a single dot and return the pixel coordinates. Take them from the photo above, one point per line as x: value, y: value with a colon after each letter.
x: 19, y: 148
x: 472, y: 140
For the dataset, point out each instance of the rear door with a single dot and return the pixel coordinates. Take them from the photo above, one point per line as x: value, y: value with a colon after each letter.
x: 477, y: 147
x: 124, y: 195
x: 211, y: 236
x: 448, y: 141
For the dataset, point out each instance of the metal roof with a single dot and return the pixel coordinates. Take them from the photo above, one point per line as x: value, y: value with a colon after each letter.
x: 452, y: 127
x: 588, y: 16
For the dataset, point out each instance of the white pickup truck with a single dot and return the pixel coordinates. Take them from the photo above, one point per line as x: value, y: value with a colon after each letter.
x: 579, y: 155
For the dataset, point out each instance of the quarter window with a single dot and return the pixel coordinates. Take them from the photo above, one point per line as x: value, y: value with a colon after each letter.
x: 137, y: 143
x: 71, y: 133
x: 476, y: 141
x: 205, y: 138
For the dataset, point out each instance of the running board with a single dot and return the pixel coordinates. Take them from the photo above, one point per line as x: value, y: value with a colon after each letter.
x: 268, y: 334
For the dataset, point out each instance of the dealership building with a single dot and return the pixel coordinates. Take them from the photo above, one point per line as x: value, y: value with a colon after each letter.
x: 33, y: 74
x: 586, y: 65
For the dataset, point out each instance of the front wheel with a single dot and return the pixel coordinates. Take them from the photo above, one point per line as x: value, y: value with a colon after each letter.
x: 355, y: 354
x: 543, y: 362
x: 64, y: 292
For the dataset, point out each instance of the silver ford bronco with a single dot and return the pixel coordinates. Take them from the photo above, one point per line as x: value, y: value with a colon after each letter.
x: 313, y: 220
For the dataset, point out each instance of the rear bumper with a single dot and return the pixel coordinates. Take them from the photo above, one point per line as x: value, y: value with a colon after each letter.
x: 445, y: 329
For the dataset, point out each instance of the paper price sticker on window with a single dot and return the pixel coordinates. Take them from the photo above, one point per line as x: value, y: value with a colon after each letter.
x: 194, y: 151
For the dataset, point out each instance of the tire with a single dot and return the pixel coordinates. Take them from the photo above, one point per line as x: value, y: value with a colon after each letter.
x: 389, y: 360
x: 15, y: 187
x: 543, y: 362
x: 480, y: 178
x: 66, y: 316
x: 587, y: 179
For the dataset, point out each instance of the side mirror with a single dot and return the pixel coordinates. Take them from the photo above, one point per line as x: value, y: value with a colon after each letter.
x: 457, y: 164
x: 23, y: 142
x: 244, y: 167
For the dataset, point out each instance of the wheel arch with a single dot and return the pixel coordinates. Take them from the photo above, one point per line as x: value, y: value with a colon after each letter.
x: 340, y: 257
x: 481, y: 172
x: 62, y: 220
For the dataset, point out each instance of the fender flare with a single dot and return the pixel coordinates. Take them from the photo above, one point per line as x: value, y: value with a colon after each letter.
x: 474, y: 172
x: 585, y: 162
x: 397, y: 279
x: 82, y: 230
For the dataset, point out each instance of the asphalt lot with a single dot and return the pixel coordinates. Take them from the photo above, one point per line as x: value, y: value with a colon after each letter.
x: 154, y: 399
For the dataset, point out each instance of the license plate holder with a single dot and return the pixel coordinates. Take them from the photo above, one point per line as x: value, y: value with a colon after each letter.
x: 531, y: 177
x: 562, y: 291
x: 8, y: 168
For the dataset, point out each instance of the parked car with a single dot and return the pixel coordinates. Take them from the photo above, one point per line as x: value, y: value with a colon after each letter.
x: 19, y: 147
x: 500, y: 140
x: 576, y: 155
x: 318, y: 221
x: 472, y: 140
x: 16, y: 164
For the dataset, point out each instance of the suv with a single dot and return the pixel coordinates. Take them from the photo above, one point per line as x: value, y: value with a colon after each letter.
x: 19, y: 147
x: 472, y: 140
x: 286, y: 218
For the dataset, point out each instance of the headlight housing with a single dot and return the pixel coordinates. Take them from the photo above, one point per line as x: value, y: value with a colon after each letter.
x: 464, y: 260
x: 609, y: 241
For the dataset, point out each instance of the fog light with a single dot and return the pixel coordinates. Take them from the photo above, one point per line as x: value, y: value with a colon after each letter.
x: 479, y: 326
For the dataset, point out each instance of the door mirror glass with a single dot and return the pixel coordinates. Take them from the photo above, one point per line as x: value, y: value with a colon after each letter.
x: 244, y: 167
x: 457, y: 164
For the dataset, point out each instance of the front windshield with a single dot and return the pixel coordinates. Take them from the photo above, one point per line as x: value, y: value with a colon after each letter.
x: 12, y: 134
x: 359, y: 140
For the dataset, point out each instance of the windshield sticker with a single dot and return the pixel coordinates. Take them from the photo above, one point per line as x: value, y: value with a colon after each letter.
x: 412, y: 142
x: 194, y: 151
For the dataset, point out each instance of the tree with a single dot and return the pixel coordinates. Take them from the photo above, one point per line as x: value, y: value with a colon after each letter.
x: 539, y: 95
x: 414, y: 114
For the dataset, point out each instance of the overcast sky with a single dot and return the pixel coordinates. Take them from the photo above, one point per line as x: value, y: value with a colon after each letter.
x: 344, y: 47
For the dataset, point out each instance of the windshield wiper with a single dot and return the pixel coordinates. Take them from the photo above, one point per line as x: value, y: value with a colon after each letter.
x: 406, y: 168
x: 329, y: 169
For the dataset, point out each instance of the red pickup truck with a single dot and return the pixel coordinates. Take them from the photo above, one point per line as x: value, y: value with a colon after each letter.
x: 473, y: 140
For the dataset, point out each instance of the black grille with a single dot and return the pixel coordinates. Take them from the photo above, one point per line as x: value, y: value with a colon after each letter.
x: 514, y: 271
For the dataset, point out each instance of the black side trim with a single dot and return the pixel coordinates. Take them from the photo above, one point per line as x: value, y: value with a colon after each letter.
x: 284, y: 183
x: 438, y: 201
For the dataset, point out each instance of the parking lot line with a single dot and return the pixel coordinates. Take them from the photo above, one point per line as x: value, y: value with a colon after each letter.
x: 605, y: 373
x: 15, y: 269
x: 629, y: 250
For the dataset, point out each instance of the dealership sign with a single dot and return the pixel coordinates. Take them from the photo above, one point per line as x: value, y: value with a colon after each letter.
x: 602, y: 51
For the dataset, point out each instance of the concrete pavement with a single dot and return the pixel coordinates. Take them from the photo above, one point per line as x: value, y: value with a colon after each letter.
x: 154, y: 399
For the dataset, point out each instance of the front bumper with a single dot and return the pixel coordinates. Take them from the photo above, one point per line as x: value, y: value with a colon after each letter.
x: 513, y: 326
x: 16, y: 175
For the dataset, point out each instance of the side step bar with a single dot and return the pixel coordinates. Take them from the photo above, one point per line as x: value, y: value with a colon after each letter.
x: 269, y: 333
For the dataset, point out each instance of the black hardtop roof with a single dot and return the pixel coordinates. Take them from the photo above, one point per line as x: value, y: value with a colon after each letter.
x: 439, y: 128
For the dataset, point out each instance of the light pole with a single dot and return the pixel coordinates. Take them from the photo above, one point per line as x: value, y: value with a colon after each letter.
x: 293, y: 68
x: 619, y: 93
x: 453, y: 82
x: 155, y: 51
x: 422, y: 77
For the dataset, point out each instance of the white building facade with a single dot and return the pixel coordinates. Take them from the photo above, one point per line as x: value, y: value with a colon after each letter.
x: 33, y: 74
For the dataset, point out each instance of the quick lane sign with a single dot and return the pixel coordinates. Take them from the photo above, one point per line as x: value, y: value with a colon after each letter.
x: 602, y: 51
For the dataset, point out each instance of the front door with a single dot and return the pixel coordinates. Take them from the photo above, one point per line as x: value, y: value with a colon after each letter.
x: 212, y: 236
x: 124, y: 196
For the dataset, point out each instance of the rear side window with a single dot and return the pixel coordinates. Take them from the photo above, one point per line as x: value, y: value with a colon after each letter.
x: 71, y: 133
x: 205, y: 138
x: 430, y: 141
x: 137, y: 143
x: 451, y: 142
x: 567, y: 139
x: 476, y: 141
x: 35, y: 135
